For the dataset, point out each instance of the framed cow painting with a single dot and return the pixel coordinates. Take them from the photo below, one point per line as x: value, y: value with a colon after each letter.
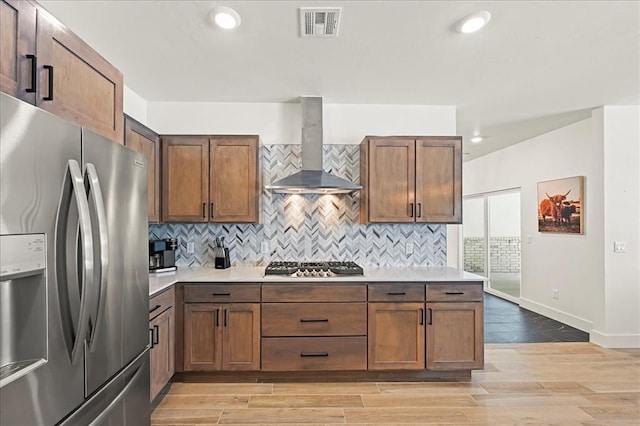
x: 561, y: 205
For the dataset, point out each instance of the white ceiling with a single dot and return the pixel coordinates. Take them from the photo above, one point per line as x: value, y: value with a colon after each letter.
x: 537, y: 66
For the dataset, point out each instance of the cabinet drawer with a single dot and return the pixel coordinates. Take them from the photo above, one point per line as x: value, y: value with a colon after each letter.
x: 314, y: 293
x: 314, y: 319
x: 396, y: 292
x: 314, y: 353
x: 454, y: 292
x: 221, y: 293
x: 161, y: 302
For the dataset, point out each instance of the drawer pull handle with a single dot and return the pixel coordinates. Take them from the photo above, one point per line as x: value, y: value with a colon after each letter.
x: 155, y: 308
x: 396, y: 293
x: 222, y: 294
x: 454, y: 292
x: 314, y: 355
x: 314, y: 320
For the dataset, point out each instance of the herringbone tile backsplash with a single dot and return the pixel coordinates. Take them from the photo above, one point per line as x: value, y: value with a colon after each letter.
x: 310, y: 227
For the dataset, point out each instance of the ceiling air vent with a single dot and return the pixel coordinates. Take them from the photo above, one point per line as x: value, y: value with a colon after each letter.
x: 319, y: 21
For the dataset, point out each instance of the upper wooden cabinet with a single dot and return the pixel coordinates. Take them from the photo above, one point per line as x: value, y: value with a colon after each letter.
x: 18, y: 63
x: 46, y: 64
x: 210, y: 179
x: 411, y: 179
x: 143, y: 140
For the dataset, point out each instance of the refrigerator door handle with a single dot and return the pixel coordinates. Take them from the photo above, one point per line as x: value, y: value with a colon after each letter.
x: 105, y: 413
x: 98, y: 203
x: 73, y: 187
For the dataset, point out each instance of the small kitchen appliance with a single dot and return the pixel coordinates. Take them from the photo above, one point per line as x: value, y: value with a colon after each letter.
x: 162, y: 255
x: 221, y: 254
x: 322, y: 269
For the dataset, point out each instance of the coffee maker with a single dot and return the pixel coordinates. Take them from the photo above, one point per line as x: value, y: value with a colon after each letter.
x: 162, y: 255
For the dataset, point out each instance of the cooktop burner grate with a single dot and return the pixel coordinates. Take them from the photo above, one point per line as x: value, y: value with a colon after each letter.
x: 322, y: 269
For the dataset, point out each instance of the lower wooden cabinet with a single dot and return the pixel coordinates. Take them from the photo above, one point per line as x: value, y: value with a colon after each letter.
x: 396, y: 336
x: 162, y: 351
x: 162, y: 336
x: 455, y: 338
x: 221, y: 336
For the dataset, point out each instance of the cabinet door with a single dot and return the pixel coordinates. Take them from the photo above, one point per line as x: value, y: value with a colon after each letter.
x: 391, y: 172
x: 234, y: 188
x: 86, y: 88
x: 162, y: 351
x: 185, y: 179
x: 241, y: 336
x: 145, y: 141
x: 17, y: 40
x: 455, y: 338
x: 396, y: 336
x: 439, y: 180
x: 202, y: 337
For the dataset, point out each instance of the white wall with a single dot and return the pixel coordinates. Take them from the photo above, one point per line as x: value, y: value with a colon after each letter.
x: 618, y: 321
x: 134, y: 105
x: 570, y: 263
x: 280, y: 123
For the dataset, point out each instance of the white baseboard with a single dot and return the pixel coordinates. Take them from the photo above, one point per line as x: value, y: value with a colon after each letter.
x: 563, y: 317
x: 614, y: 340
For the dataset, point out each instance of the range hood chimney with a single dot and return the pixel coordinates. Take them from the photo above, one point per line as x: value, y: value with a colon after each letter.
x: 312, y: 179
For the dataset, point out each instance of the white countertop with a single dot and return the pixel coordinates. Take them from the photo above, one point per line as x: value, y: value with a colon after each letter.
x: 255, y: 274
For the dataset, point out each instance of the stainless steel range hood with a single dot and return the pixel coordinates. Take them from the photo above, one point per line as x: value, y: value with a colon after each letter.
x: 312, y: 179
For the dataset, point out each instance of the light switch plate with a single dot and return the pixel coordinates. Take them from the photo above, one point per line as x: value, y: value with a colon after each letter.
x: 619, y: 247
x: 264, y: 247
x: 191, y: 247
x: 409, y: 248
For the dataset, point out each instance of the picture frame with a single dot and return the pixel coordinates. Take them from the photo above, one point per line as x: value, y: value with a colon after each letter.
x: 561, y: 205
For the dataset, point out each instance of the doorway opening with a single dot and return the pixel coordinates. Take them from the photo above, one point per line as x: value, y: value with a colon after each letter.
x: 492, y: 240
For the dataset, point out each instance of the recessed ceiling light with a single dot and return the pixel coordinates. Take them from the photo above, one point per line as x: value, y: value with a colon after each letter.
x: 473, y: 22
x: 225, y: 17
x: 476, y: 139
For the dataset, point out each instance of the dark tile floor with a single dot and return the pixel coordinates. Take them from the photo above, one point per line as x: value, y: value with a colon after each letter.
x: 506, y: 322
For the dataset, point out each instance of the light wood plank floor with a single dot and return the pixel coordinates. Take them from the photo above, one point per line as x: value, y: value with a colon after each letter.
x: 535, y: 383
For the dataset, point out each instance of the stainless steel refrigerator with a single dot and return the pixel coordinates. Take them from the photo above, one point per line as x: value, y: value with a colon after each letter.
x: 74, y: 283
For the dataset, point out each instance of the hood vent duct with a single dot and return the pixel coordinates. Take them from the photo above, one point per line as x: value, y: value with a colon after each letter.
x: 312, y: 179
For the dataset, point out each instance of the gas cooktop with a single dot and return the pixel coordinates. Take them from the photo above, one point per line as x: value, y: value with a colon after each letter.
x: 326, y: 269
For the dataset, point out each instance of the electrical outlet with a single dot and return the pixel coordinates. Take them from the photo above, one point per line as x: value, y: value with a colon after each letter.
x: 529, y: 239
x: 191, y: 247
x: 264, y: 247
x: 556, y: 293
x: 619, y: 247
x: 409, y: 248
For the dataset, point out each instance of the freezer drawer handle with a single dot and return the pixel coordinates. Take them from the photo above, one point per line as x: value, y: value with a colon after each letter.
x: 50, y: 96
x: 314, y: 354
x: 105, y: 413
x: 34, y: 73
x: 73, y: 187
x: 95, y: 192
